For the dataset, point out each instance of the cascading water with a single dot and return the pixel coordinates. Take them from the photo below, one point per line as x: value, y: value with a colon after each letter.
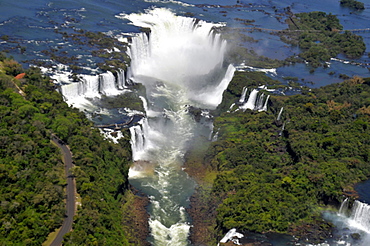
x: 180, y: 64
x: 89, y: 86
x: 344, y: 207
x: 107, y: 84
x: 242, y: 97
x: 121, y: 79
x: 352, y: 224
x: 279, y: 115
x: 250, y: 104
x: 358, y: 216
x: 264, y: 108
x: 361, y: 215
x: 255, y: 101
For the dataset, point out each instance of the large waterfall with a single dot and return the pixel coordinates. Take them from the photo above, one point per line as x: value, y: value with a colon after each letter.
x: 181, y: 64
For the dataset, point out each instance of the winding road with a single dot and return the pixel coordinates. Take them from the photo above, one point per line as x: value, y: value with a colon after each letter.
x: 71, y: 192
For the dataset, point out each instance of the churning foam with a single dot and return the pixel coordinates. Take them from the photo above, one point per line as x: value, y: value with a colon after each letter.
x: 181, y: 52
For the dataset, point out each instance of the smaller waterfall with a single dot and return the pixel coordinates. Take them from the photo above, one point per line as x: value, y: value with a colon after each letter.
x: 107, y: 84
x: 139, y: 144
x: 282, y: 129
x: 361, y: 215
x: 242, y: 97
x: 251, y: 103
x: 255, y: 101
x: 231, y: 107
x: 344, y: 207
x: 121, y: 80
x: 91, y: 86
x: 137, y: 141
x: 358, y: 216
x: 279, y: 115
x: 88, y: 86
x: 233, y: 236
x: 264, y: 108
x: 259, y: 102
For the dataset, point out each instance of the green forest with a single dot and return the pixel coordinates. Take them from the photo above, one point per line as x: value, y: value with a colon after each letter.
x: 278, y: 175
x: 32, y: 172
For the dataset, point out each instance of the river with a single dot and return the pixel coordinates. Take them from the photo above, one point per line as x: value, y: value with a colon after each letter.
x: 181, y: 64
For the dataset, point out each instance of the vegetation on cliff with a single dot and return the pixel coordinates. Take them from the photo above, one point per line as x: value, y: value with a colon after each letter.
x: 274, y: 175
x: 32, y: 171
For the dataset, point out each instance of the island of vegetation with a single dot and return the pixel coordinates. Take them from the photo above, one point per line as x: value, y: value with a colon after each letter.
x: 352, y: 4
x: 319, y: 36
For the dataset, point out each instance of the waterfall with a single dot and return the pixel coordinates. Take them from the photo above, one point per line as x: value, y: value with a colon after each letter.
x: 343, y: 207
x: 242, y: 97
x: 259, y: 102
x: 181, y: 64
x: 121, y: 81
x: 137, y: 141
x: 358, y: 215
x: 264, y: 108
x: 279, y: 115
x: 107, y: 84
x: 255, y: 101
x: 76, y: 92
x: 282, y: 129
x: 251, y: 103
x: 91, y: 86
x: 361, y: 215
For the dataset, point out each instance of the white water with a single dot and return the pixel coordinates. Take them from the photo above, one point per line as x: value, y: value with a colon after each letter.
x: 180, y: 64
x: 251, y: 103
x: 242, y: 97
x: 256, y: 100
x: 360, y: 216
x: 350, y: 220
x: 78, y: 93
x: 264, y: 108
x: 279, y: 115
x: 230, y: 236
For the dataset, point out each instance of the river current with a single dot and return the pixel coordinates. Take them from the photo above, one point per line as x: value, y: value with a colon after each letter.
x: 181, y: 64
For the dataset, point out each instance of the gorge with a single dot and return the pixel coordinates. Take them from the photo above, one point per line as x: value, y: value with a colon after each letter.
x: 181, y: 64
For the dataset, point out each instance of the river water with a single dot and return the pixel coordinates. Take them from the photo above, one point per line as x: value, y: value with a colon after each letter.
x: 181, y: 64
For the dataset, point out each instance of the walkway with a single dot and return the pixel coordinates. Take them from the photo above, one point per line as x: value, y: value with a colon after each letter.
x: 71, y: 192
